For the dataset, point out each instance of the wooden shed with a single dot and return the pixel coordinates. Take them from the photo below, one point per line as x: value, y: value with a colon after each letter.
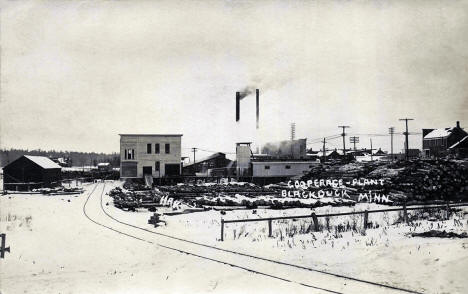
x: 29, y: 172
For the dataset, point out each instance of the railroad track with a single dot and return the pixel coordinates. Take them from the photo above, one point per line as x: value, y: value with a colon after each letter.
x: 380, y: 288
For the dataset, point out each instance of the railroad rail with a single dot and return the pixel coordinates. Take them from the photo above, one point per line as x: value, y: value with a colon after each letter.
x: 253, y: 257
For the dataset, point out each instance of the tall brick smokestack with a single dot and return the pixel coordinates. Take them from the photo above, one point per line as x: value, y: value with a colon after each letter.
x: 258, y: 105
x: 238, y: 106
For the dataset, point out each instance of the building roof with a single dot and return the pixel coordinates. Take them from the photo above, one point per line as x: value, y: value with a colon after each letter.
x: 214, y: 155
x: 456, y: 144
x: 43, y: 162
x: 104, y: 164
x: 153, y: 135
x: 439, y: 133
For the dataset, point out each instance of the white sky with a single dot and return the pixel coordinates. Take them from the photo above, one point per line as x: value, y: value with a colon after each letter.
x: 76, y: 74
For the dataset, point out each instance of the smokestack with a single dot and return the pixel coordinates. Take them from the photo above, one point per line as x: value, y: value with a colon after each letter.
x: 258, y: 105
x: 237, y: 106
x: 458, y: 124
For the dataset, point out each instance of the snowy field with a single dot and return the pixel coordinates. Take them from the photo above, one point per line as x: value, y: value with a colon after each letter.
x: 55, y: 249
x: 385, y: 253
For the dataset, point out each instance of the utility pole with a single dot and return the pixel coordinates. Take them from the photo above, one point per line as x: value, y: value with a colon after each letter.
x: 371, y: 149
x: 324, y: 150
x: 406, y: 136
x: 344, y: 139
x: 194, y: 149
x: 391, y: 131
x: 354, y: 140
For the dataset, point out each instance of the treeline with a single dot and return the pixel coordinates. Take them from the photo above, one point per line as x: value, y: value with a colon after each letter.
x: 75, y: 158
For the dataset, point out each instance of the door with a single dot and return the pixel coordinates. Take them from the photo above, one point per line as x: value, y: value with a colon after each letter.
x: 147, y: 170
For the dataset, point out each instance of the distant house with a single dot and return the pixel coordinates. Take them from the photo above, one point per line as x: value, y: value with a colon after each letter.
x: 380, y: 153
x: 104, y: 166
x: 332, y: 154
x: 439, y: 142
x: 216, y: 160
x: 62, y: 161
x: 28, y: 172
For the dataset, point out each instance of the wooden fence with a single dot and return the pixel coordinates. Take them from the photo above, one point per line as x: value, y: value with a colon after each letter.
x: 315, y: 217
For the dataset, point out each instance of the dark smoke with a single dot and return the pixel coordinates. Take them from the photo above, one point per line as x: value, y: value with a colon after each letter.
x: 246, y: 92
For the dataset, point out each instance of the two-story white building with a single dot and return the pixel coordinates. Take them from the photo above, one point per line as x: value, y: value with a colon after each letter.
x: 158, y: 155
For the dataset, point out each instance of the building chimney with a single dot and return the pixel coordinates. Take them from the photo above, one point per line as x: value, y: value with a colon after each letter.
x: 237, y: 106
x: 258, y: 105
x: 458, y: 124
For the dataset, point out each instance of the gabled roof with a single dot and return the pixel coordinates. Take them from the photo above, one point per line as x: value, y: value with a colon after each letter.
x: 43, y: 162
x: 456, y: 144
x: 439, y: 133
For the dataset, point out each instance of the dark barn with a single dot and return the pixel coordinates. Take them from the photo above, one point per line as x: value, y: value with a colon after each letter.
x: 29, y: 172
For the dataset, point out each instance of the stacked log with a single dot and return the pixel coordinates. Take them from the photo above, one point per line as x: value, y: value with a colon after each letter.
x: 431, y: 180
x: 416, y: 180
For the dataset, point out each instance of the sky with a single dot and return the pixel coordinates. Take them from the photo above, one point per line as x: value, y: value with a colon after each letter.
x: 75, y: 74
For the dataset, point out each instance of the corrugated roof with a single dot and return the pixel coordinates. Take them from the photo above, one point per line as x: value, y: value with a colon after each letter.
x: 43, y: 162
x: 439, y: 133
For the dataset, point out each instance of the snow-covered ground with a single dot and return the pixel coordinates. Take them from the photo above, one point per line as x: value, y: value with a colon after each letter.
x: 56, y: 249
x: 384, y: 254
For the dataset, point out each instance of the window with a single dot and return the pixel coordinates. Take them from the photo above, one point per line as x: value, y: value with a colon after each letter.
x: 156, y: 148
x: 129, y: 154
x: 157, y: 166
x: 148, y: 148
x: 287, y: 166
x: 168, y: 148
x: 267, y: 167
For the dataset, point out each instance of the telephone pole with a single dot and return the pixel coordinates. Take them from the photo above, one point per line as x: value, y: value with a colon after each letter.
x: 406, y: 136
x: 354, y: 140
x: 194, y: 149
x: 391, y: 131
x: 344, y: 139
x: 324, y: 150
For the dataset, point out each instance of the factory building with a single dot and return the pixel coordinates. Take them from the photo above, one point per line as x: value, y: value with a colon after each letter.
x: 279, y: 160
x: 158, y: 155
x: 216, y: 160
x: 30, y: 172
x: 281, y: 168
